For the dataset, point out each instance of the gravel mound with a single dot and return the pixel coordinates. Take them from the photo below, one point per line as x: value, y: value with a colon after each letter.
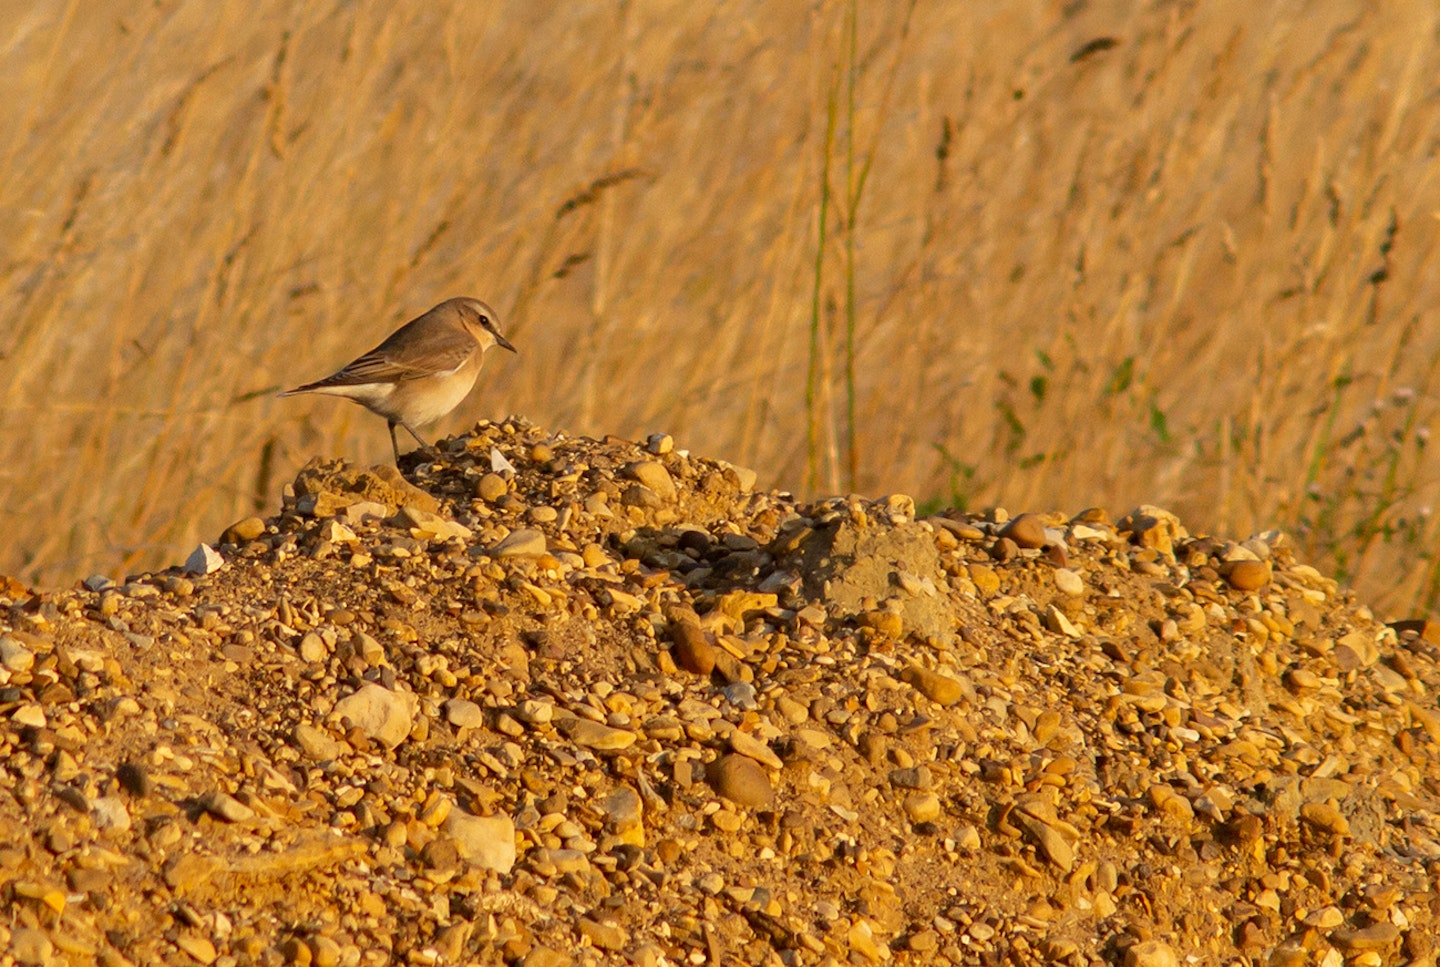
x: 555, y: 701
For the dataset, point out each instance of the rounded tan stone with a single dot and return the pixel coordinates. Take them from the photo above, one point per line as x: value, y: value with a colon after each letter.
x: 741, y: 780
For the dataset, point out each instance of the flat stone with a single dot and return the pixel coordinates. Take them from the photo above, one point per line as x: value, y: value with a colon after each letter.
x: 427, y: 525
x: 381, y: 714
x: 1151, y: 953
x: 593, y: 735
x: 110, y: 812
x: 606, y: 936
x: 484, y: 841
x: 201, y: 948
x: 316, y: 743
x: 1068, y: 582
x: 546, y: 957
x: 747, y: 745
x: 936, y: 686
x: 464, y: 714
x: 224, y: 806
x: 31, y: 946
x: 14, y: 656
x: 652, y: 474
x: 923, y: 807
x: 1325, y: 816
x: 1377, y: 936
x: 30, y: 714
x: 519, y: 543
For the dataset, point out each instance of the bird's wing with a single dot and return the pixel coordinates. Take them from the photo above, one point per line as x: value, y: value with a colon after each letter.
x: 410, y: 353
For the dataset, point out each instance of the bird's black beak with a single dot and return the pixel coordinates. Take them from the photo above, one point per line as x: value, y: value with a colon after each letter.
x: 505, y: 344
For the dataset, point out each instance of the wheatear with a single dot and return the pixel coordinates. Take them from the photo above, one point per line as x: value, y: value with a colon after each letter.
x: 422, y: 371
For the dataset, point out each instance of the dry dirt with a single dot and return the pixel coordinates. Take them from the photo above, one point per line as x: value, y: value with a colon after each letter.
x: 561, y: 701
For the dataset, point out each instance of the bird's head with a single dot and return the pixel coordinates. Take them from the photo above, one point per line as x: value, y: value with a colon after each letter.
x: 481, y: 321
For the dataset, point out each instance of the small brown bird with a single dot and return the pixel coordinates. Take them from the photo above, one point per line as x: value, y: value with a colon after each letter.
x: 422, y: 371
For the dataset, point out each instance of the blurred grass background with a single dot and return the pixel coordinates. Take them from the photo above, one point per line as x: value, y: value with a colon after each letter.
x: 1034, y: 254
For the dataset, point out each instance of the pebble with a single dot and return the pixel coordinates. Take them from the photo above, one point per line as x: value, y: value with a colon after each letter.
x: 492, y: 487
x: 1246, y: 575
x: 936, y: 686
x: 14, y: 656
x: 693, y: 651
x: 653, y: 475
x: 224, y: 806
x: 379, y: 713
x: 1151, y: 953
x: 1377, y: 936
x: 1068, y: 582
x: 1324, y: 816
x: 741, y: 780
x: 110, y: 812
x: 485, y: 841
x: 751, y: 747
x: 593, y: 735
x: 316, y: 743
x: 606, y: 936
x: 198, y: 947
x: 204, y: 560
x: 243, y: 530
x: 1026, y: 530
x: 923, y: 807
x: 31, y: 946
x: 524, y: 542
x: 30, y: 714
x: 464, y: 714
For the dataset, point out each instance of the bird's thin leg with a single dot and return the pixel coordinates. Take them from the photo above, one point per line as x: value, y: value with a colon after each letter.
x: 394, y: 444
x: 418, y: 438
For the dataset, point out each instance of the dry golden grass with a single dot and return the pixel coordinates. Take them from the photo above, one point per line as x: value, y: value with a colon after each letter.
x: 1191, y: 267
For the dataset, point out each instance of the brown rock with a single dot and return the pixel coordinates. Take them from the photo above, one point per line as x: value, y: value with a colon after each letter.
x: 1377, y: 936
x: 606, y: 936
x: 243, y: 531
x: 741, y: 780
x: 1324, y: 816
x: 486, y: 841
x: 939, y: 688
x: 1246, y: 575
x: 545, y: 957
x: 693, y: 651
x: 1027, y: 531
x: 1151, y: 953
x: 31, y: 946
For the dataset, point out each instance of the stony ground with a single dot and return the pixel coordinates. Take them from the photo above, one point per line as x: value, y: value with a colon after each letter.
x: 557, y: 701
